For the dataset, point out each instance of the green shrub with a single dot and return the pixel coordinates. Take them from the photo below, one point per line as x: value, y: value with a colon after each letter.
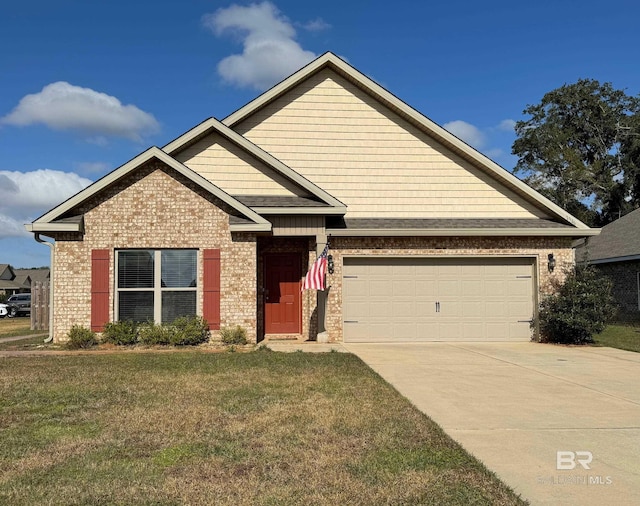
x: 81, y: 337
x: 188, y: 331
x: 233, y: 335
x: 580, y: 308
x: 151, y: 333
x: 121, y: 333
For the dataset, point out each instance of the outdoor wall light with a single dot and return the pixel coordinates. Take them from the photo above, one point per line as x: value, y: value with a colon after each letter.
x: 330, y: 265
x: 551, y: 262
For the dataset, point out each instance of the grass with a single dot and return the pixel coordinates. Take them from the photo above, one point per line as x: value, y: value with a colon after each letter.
x: 260, y: 428
x: 31, y: 343
x: 625, y: 337
x: 20, y: 326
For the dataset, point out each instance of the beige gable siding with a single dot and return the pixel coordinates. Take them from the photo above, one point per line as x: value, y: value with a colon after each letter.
x: 371, y: 159
x: 292, y: 225
x: 230, y: 168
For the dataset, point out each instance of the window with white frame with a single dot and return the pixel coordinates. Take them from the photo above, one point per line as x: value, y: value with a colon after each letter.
x: 156, y: 285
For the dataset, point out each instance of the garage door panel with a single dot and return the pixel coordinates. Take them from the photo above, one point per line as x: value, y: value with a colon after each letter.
x: 519, y: 287
x: 520, y: 330
x: 426, y: 289
x: 394, y: 299
x: 473, y: 309
x: 519, y: 310
x: 470, y: 287
x: 403, y: 308
x: 497, y: 330
x: 448, y: 287
x: 356, y: 287
x: 403, y: 288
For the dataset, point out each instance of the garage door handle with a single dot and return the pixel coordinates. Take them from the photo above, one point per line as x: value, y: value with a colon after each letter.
x: 351, y: 321
x: 525, y: 321
x: 437, y: 307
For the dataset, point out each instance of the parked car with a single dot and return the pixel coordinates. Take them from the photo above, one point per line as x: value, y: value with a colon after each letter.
x: 19, y: 304
x: 3, y: 310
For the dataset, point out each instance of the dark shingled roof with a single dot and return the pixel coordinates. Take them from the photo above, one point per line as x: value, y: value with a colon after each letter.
x: 70, y: 219
x: 239, y: 220
x: 445, y: 223
x: 278, y: 201
x: 620, y: 238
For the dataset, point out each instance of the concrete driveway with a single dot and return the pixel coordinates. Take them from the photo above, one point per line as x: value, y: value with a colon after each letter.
x: 515, y: 405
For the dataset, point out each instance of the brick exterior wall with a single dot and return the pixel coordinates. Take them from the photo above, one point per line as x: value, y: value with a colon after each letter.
x: 154, y: 207
x: 624, y: 276
x: 537, y: 247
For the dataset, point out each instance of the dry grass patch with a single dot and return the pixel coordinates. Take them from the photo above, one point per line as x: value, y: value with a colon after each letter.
x: 20, y: 326
x: 200, y: 428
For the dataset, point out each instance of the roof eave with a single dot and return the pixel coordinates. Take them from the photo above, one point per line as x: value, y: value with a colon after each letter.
x: 465, y: 232
x: 250, y: 227
x: 626, y: 258
x: 53, y: 227
x: 328, y: 211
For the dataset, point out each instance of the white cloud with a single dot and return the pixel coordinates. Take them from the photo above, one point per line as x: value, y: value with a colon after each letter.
x: 316, y: 25
x: 63, y: 106
x: 94, y: 167
x: 467, y: 132
x: 270, y: 52
x: 507, y: 125
x: 26, y: 195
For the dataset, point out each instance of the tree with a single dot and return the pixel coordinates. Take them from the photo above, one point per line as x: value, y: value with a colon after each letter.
x: 570, y: 149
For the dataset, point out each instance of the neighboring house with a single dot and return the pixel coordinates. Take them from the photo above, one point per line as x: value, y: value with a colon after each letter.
x: 35, y: 275
x: 429, y: 239
x: 14, y: 280
x: 616, y: 253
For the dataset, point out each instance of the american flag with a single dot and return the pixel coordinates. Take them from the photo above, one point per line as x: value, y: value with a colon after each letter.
x: 314, y: 280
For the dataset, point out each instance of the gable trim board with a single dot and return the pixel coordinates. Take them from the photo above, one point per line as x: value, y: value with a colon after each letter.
x: 171, y: 208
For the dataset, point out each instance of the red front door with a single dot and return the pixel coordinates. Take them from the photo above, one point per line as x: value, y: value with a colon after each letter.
x: 282, y: 308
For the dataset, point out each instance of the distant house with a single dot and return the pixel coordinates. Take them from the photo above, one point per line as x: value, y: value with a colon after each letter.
x: 616, y: 253
x: 19, y: 280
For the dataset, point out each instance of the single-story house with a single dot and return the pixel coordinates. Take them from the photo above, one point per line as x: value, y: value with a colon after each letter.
x: 616, y: 254
x: 14, y: 281
x: 428, y: 238
x: 11, y: 283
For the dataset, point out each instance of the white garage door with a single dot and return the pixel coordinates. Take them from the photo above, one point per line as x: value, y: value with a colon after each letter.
x: 436, y: 299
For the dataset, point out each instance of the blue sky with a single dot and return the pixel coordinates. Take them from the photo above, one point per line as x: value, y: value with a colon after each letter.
x: 86, y: 85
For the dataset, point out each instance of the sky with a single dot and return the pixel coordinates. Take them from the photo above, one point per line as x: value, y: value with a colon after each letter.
x: 87, y: 85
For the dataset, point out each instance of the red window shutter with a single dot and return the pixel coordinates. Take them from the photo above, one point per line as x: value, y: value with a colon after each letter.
x: 99, y: 289
x: 211, y: 288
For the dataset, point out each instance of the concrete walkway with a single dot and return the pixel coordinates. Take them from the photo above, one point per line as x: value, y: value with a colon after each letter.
x: 515, y: 405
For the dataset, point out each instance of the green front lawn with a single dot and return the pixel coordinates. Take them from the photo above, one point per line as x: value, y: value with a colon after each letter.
x: 192, y: 427
x: 625, y: 337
